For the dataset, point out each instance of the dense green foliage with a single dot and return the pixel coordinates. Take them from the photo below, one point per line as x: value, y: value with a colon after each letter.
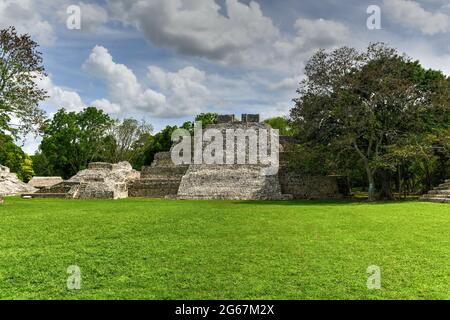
x: 164, y: 249
x: 13, y: 157
x: 376, y: 111
x: 282, y: 124
x: 207, y: 118
x: 72, y: 140
x: 162, y: 141
x: 128, y: 141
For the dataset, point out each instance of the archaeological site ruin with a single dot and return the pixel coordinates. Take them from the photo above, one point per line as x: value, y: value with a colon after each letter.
x: 164, y: 179
x: 11, y: 185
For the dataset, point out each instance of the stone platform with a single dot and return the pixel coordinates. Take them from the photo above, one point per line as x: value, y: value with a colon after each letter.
x: 42, y: 182
x: 439, y: 194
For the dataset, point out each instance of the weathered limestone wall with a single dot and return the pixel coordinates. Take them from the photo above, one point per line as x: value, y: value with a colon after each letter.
x: 232, y: 182
x: 312, y: 187
x: 159, y: 180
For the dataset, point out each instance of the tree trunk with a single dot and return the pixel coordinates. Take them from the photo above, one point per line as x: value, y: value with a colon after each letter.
x: 371, y: 180
x: 385, y: 191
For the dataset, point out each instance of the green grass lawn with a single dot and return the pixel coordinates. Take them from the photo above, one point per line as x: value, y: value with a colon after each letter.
x: 165, y: 249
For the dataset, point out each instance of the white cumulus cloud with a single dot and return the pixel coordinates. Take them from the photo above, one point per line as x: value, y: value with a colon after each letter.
x: 59, y: 97
x: 70, y: 100
x: 179, y: 93
x: 123, y: 86
x: 412, y: 15
x: 197, y: 27
x: 25, y: 17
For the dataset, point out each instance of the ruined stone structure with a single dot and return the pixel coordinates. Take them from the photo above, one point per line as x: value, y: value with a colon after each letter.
x: 10, y: 184
x: 42, y: 182
x: 302, y: 186
x: 312, y: 187
x: 99, y: 181
x: 160, y: 179
x: 439, y: 194
x: 231, y: 181
x: 200, y: 181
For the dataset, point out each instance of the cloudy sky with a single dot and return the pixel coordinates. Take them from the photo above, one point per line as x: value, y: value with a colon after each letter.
x: 167, y: 60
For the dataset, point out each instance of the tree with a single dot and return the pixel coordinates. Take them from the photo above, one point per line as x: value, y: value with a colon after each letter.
x: 282, y: 124
x: 367, y: 103
x: 162, y: 141
x: 13, y: 157
x: 129, y: 139
x: 72, y: 140
x: 20, y: 68
x: 26, y: 171
x: 207, y: 118
x: 41, y: 165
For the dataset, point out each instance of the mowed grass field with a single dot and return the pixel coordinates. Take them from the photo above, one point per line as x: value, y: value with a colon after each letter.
x: 166, y: 249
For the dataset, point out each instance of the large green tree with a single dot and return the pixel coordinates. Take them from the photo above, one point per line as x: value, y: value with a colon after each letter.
x: 72, y: 140
x: 12, y: 156
x: 129, y: 139
x: 20, y: 68
x: 162, y: 141
x: 368, y: 103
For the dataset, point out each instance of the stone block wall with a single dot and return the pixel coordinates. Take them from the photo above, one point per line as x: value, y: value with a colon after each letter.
x: 232, y: 182
x: 226, y: 118
x: 249, y: 117
x: 312, y: 187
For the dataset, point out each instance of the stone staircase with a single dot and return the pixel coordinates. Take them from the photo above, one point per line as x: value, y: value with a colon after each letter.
x: 439, y: 194
x: 159, y: 180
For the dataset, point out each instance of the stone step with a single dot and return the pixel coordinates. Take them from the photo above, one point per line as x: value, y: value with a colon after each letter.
x: 437, y: 195
x: 442, y: 187
x: 440, y: 200
x: 439, y: 191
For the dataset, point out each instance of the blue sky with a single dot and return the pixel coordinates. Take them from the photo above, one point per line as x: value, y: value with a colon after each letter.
x: 166, y: 60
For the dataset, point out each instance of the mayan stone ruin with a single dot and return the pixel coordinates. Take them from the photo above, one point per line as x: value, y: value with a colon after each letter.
x: 43, y: 182
x: 10, y: 184
x: 159, y: 180
x: 441, y: 193
x: 99, y: 181
x: 231, y: 181
x: 164, y: 179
